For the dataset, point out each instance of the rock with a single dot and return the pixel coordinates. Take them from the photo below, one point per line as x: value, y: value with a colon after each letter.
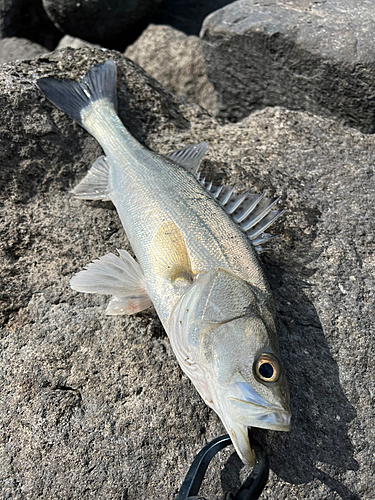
x: 186, y: 15
x: 109, y: 23
x: 27, y: 19
x: 96, y: 406
x: 14, y: 49
x: 314, y: 56
x: 74, y: 43
x: 176, y: 61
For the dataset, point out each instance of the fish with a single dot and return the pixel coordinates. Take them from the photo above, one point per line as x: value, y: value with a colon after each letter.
x: 196, y: 247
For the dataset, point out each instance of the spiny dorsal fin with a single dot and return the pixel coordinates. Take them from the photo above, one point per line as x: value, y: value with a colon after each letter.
x: 253, y: 212
x: 121, y: 277
x: 169, y: 254
x: 189, y: 157
x: 94, y: 186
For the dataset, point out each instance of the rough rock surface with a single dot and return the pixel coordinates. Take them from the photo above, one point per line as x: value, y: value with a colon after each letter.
x: 301, y: 54
x: 176, y: 61
x: 27, y: 19
x: 96, y: 406
x: 110, y: 23
x: 14, y: 49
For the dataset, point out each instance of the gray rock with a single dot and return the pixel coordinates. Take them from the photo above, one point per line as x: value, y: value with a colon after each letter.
x: 109, y: 23
x: 27, y: 19
x: 96, y: 406
x: 74, y: 43
x: 176, y: 61
x: 301, y: 54
x: 14, y: 49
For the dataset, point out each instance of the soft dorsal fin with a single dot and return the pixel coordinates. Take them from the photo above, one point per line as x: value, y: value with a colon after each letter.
x: 190, y: 156
x: 121, y: 277
x: 94, y: 186
x: 252, y: 211
x: 169, y: 254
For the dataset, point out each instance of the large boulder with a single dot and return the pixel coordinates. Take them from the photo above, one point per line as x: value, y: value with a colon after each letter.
x: 302, y: 54
x: 186, y: 15
x: 96, y: 406
x: 27, y: 19
x: 176, y: 61
x: 111, y: 23
x: 15, y: 49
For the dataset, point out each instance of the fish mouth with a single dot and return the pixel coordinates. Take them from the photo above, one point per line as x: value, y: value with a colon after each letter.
x: 247, y: 407
x: 277, y: 420
x: 262, y: 416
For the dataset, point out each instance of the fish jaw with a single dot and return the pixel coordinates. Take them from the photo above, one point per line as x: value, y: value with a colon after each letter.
x: 239, y: 415
x: 245, y: 405
x: 275, y: 419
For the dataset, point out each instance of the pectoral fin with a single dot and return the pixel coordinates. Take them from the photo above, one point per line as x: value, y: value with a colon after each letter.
x: 169, y: 255
x: 121, y: 277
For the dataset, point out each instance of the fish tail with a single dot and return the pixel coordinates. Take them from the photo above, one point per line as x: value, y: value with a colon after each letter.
x: 73, y: 97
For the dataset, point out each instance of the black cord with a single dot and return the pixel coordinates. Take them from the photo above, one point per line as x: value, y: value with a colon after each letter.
x: 251, y: 488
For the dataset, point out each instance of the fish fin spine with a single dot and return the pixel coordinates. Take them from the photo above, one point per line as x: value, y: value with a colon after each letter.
x: 72, y: 97
x: 95, y: 184
x: 120, y: 276
x: 252, y: 211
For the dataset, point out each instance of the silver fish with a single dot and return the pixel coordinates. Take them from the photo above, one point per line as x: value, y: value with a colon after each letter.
x: 197, y: 261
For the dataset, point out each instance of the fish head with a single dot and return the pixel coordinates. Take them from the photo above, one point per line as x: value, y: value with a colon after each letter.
x: 251, y: 390
x: 226, y: 330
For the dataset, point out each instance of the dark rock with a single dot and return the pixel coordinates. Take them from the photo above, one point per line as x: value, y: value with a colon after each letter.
x: 176, y: 61
x: 96, y: 406
x: 14, y: 49
x: 186, y: 15
x: 27, y: 19
x: 302, y: 54
x: 110, y: 23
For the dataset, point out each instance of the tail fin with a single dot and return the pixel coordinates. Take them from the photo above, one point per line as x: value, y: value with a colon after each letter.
x: 72, y: 97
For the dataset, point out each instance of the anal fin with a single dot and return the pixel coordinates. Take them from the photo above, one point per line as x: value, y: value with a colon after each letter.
x: 121, y: 277
x: 130, y: 304
x: 94, y: 186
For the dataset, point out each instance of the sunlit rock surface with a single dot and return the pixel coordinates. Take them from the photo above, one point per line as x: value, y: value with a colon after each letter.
x: 96, y: 406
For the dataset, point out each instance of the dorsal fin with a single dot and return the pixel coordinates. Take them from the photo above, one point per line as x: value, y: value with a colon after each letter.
x: 190, y: 156
x: 252, y: 211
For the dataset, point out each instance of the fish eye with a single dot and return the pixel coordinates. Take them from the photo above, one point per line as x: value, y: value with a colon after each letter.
x: 266, y: 368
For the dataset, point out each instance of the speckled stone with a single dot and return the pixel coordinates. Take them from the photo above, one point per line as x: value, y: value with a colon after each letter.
x: 300, y: 54
x: 176, y: 61
x: 15, y: 49
x: 96, y: 406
